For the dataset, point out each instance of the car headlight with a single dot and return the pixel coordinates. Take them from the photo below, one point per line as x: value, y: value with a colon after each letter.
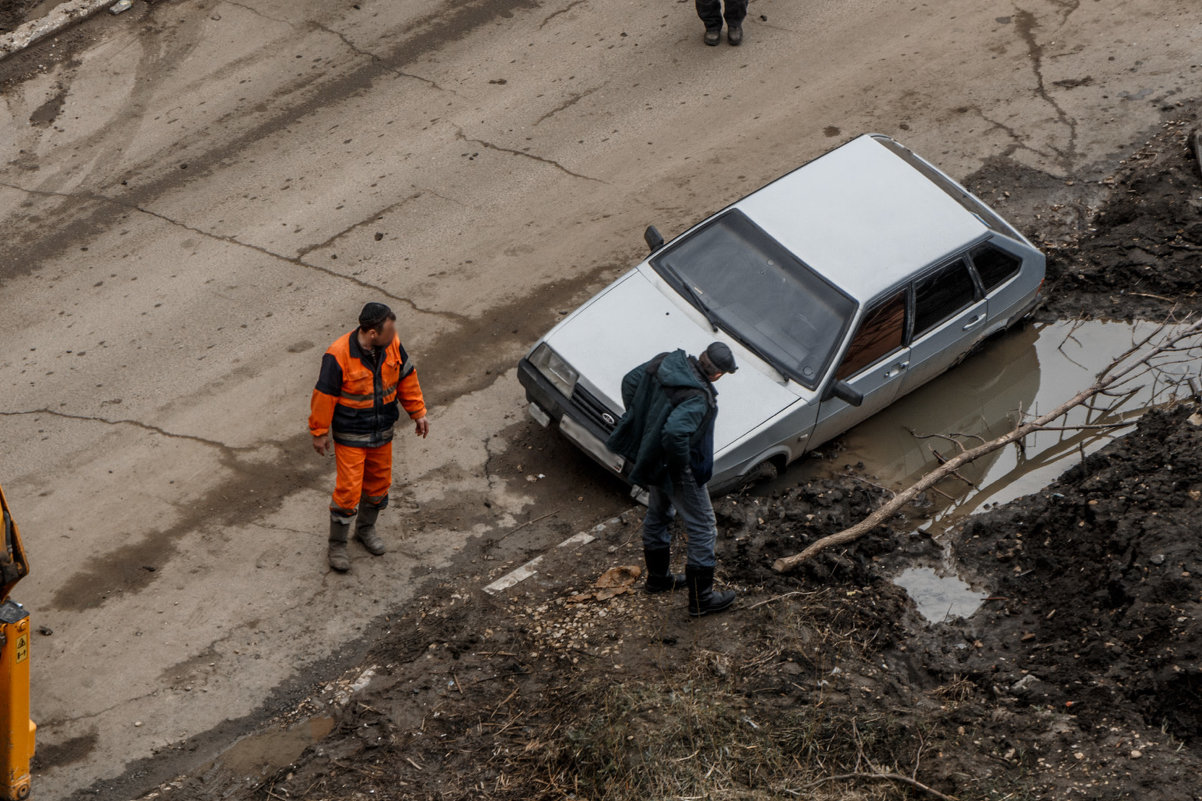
x: 553, y: 367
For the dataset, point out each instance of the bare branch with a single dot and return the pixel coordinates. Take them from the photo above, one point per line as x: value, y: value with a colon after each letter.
x: 888, y: 777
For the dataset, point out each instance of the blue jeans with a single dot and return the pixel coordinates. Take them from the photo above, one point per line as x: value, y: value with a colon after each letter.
x: 693, y: 504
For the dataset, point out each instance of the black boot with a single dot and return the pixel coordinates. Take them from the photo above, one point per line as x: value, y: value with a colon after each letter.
x: 660, y: 577
x: 365, y: 529
x: 339, y: 559
x: 702, y: 598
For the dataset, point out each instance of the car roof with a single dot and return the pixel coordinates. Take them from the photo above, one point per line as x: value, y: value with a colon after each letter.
x: 862, y: 217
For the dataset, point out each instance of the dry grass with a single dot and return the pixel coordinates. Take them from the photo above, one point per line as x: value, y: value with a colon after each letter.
x: 732, y: 725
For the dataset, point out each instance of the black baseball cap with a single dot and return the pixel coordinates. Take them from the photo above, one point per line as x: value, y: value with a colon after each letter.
x: 720, y: 356
x: 373, y: 316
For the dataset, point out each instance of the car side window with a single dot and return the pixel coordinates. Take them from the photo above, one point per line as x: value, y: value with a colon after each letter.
x: 881, y: 332
x: 942, y: 294
x: 994, y: 265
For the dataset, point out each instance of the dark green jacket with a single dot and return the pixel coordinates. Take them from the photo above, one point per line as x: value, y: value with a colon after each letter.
x: 670, y: 412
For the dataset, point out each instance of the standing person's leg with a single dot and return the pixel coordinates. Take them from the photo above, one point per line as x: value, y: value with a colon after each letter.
x: 348, y: 486
x: 736, y: 12
x: 657, y: 543
x: 697, y: 512
x: 377, y: 480
x: 710, y: 12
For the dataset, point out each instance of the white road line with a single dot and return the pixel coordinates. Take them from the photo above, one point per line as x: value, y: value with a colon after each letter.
x: 527, y: 570
x: 509, y: 579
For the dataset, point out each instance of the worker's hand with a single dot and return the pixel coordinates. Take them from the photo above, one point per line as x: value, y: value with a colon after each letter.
x: 421, y: 426
x: 322, y: 444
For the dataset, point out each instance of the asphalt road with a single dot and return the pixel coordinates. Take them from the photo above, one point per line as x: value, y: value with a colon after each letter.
x: 198, y: 196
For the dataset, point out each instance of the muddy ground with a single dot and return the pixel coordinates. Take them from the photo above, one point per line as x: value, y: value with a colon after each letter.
x: 1080, y: 676
x: 14, y: 13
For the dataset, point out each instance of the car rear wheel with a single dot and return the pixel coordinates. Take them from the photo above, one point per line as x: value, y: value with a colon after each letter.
x: 764, y: 471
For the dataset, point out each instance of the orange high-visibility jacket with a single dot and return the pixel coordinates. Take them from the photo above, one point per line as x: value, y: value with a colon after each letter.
x: 356, y: 397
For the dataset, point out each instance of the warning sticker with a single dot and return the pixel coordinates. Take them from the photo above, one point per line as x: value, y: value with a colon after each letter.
x: 22, y: 648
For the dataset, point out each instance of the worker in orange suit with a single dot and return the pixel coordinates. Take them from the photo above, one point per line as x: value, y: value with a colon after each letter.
x: 365, y: 374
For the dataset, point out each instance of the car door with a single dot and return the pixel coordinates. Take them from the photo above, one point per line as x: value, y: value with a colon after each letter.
x: 874, y: 364
x: 949, y: 318
x: 997, y: 270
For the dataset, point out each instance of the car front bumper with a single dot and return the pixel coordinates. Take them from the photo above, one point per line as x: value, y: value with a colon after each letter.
x: 548, y: 404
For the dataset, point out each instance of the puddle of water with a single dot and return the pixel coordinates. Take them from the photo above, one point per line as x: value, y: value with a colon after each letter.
x: 939, y: 597
x: 260, y: 755
x: 1028, y: 371
x: 1024, y: 372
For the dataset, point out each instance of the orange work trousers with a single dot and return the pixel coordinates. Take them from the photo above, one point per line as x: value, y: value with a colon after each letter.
x: 363, y: 473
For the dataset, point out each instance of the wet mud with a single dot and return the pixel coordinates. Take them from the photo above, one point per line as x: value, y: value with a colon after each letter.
x: 15, y: 13
x: 1066, y: 662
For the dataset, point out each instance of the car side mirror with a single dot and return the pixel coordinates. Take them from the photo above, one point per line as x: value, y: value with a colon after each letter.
x: 653, y: 238
x: 843, y: 391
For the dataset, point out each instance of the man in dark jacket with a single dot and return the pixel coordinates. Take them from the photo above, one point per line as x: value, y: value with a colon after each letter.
x: 667, y: 434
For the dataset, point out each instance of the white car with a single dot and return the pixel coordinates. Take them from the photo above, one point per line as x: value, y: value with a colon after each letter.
x: 840, y: 287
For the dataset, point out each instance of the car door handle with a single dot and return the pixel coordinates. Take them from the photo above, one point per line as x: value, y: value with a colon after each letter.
x: 973, y: 322
x: 896, y: 370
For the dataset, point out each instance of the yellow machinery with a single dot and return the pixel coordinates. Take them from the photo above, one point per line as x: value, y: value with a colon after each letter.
x: 16, y: 729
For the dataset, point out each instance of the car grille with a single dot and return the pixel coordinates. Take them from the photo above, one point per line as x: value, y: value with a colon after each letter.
x: 593, y: 408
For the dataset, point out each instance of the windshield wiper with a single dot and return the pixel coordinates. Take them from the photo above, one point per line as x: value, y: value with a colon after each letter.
x: 773, y: 362
x: 696, y: 300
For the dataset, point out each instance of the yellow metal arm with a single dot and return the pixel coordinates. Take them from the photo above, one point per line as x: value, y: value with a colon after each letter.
x: 16, y: 729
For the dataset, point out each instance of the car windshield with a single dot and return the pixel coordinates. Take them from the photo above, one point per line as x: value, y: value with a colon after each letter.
x: 761, y: 294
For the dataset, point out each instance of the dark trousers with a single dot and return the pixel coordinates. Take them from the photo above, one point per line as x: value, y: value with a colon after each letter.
x: 711, y: 14
x: 692, y: 502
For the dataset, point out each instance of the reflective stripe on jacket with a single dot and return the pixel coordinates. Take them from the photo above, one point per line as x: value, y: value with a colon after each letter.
x: 355, y: 399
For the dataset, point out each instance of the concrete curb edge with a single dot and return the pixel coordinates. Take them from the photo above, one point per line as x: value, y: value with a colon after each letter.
x: 62, y: 16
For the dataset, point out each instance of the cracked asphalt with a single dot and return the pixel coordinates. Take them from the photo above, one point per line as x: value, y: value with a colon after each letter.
x: 198, y: 196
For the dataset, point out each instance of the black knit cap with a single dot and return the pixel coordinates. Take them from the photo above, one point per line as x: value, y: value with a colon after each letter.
x: 721, y: 357
x: 374, y: 315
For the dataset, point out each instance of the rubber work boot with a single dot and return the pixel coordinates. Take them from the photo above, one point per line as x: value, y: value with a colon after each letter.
x: 734, y: 35
x: 702, y: 598
x: 365, y: 529
x: 713, y: 36
x: 660, y: 578
x: 340, y: 560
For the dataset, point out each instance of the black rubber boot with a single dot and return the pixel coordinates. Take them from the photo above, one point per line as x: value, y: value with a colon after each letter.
x: 660, y: 577
x: 340, y: 560
x: 702, y: 598
x: 713, y: 36
x: 365, y: 529
x: 734, y: 34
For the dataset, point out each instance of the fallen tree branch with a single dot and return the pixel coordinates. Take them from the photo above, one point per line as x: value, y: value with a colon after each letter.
x: 1116, y: 373
x: 792, y: 594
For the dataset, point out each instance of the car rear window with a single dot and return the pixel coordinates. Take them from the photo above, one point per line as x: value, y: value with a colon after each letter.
x: 760, y: 293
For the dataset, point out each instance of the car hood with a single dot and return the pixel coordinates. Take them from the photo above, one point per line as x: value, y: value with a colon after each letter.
x: 639, y: 316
